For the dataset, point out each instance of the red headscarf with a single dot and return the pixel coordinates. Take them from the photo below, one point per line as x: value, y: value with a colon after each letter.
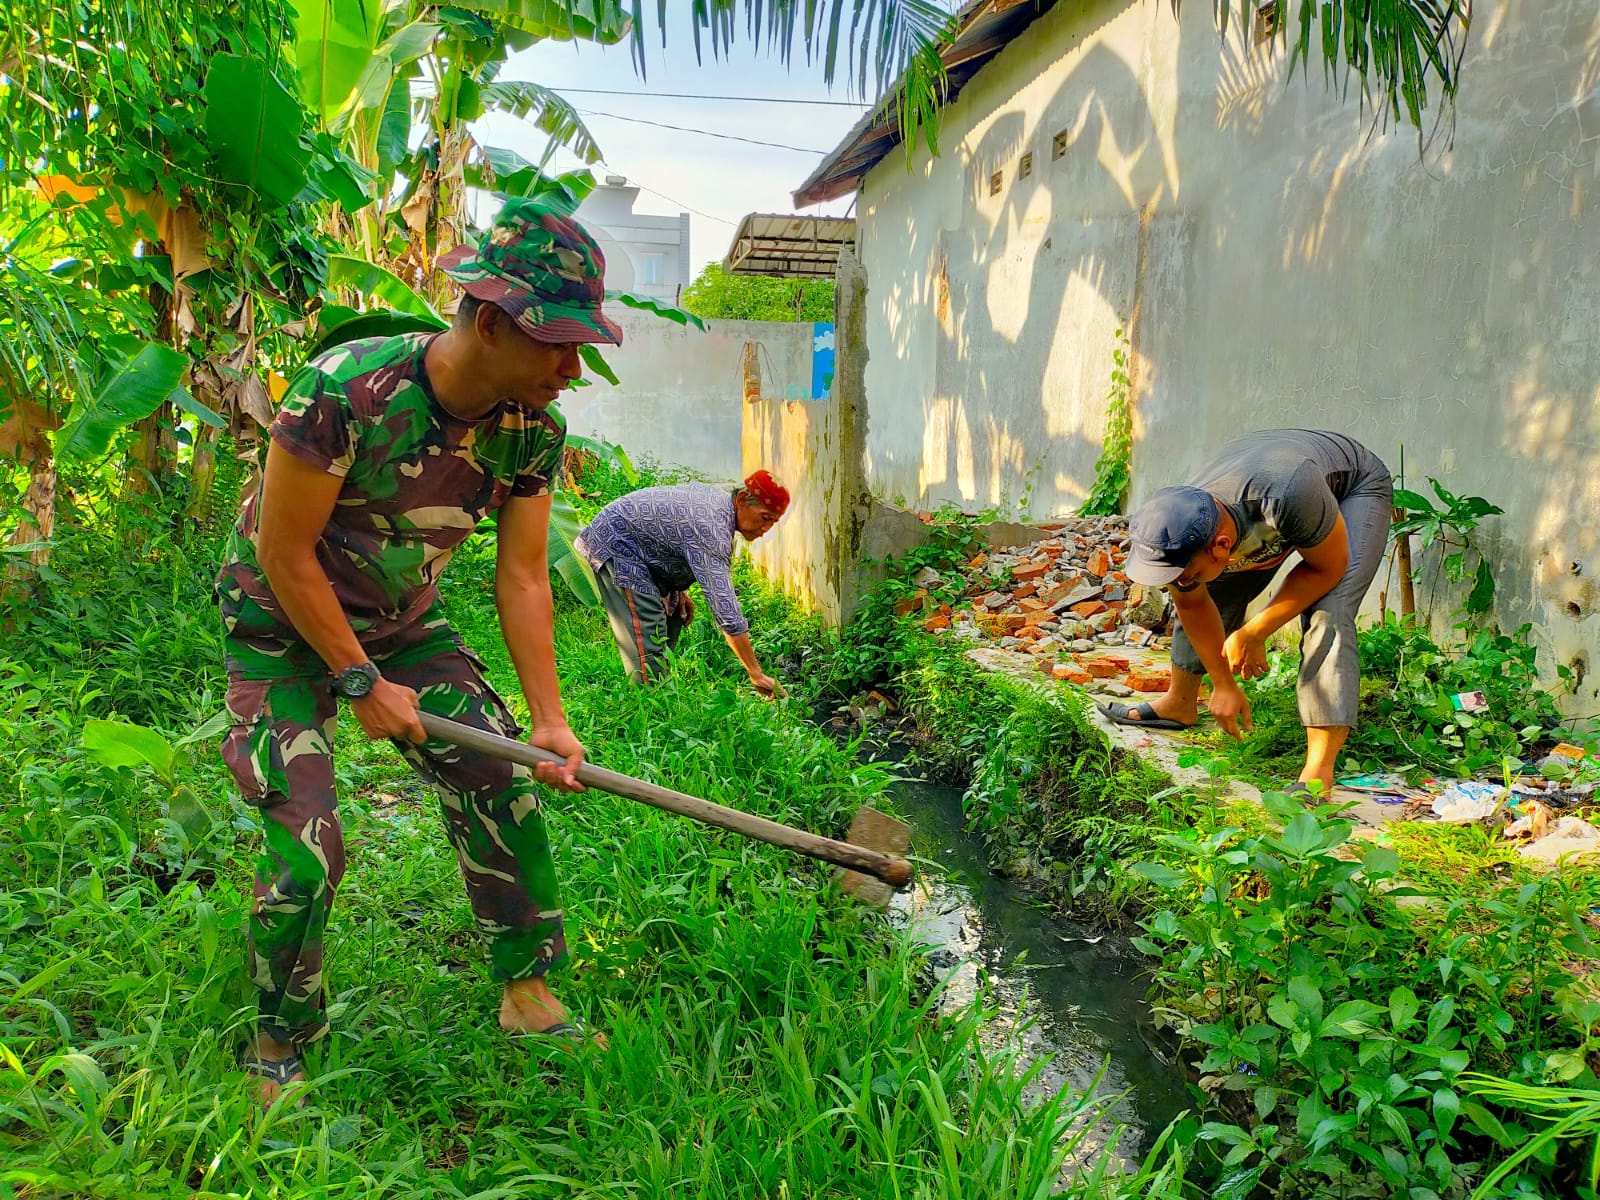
x: 766, y: 490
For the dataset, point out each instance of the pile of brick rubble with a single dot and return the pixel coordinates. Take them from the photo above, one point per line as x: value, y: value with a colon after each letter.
x: 1065, y: 601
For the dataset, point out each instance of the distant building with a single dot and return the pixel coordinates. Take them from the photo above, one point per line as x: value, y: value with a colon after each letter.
x: 647, y: 255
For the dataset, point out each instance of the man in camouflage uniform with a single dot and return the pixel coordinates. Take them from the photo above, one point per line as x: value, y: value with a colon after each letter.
x: 385, y: 456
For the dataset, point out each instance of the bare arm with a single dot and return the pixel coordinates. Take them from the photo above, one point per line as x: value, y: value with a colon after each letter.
x: 1201, y: 621
x: 739, y: 643
x: 297, y: 498
x: 527, y: 623
x: 1316, y: 574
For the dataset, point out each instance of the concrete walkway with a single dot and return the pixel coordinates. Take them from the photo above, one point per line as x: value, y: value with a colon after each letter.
x: 1162, y: 748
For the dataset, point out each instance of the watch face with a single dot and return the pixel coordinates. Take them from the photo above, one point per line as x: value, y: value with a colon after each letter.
x: 355, y: 682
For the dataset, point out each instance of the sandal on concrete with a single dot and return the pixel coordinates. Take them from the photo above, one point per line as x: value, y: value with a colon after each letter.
x: 1138, y: 716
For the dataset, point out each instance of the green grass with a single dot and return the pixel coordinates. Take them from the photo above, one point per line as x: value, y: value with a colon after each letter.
x: 768, y: 1038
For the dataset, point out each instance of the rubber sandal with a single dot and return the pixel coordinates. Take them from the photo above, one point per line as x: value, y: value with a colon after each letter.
x: 1119, y: 714
x: 563, y: 1031
x: 280, y: 1071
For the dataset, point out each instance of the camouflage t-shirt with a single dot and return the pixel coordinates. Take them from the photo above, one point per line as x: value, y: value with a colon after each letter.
x: 417, y: 480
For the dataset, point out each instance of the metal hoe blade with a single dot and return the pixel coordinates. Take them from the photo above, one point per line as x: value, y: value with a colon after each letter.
x: 874, y: 830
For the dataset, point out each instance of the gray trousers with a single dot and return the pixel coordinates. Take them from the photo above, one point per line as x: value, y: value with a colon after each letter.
x: 641, y: 622
x: 1329, y: 690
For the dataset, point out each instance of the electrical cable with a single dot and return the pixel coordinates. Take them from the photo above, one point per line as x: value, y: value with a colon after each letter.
x: 697, y: 96
x: 731, y: 137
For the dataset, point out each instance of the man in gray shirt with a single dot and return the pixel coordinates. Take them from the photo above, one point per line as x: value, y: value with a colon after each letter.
x: 1216, y: 544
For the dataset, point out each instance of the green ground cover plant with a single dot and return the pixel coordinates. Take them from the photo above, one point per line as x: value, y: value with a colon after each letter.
x: 769, y: 1038
x: 1341, y: 1003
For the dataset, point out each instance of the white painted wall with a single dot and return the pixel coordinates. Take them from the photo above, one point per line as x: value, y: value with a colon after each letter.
x: 1275, y: 267
x: 628, y: 239
x: 682, y: 390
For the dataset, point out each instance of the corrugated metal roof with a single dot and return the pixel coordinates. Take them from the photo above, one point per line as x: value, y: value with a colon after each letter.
x: 985, y: 27
x: 788, y: 244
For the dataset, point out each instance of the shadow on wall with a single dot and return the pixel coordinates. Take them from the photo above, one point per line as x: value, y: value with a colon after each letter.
x: 1274, y: 266
x: 1025, y: 292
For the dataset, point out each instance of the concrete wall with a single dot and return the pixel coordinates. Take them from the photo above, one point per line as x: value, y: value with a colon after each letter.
x: 815, y: 448
x: 1273, y: 265
x: 682, y: 390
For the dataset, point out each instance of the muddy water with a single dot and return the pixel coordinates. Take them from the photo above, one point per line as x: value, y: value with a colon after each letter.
x: 1064, y: 992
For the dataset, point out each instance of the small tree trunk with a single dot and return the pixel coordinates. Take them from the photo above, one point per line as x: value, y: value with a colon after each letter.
x: 38, y: 521
x: 1402, y: 561
x: 24, y: 437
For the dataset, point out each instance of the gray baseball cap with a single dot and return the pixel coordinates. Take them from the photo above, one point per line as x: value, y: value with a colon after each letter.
x: 1167, y: 531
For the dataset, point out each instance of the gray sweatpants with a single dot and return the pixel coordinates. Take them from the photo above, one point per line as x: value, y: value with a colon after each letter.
x: 1329, y: 689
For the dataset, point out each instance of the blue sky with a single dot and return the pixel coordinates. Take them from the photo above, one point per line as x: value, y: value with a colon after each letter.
x: 716, y: 181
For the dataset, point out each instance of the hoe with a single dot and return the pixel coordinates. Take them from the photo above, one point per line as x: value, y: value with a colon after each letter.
x: 871, y: 856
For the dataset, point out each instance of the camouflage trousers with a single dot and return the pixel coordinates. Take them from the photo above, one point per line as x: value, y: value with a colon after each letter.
x: 280, y: 750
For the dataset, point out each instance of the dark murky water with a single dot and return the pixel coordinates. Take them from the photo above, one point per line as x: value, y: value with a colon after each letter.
x: 1078, y: 996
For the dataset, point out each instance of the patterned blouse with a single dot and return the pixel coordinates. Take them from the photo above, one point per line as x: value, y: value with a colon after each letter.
x: 660, y: 540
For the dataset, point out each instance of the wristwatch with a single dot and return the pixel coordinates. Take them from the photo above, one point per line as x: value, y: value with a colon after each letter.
x: 354, y: 682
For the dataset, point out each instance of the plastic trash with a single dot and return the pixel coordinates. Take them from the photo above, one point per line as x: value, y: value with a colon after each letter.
x: 1569, y: 837
x: 1469, y: 800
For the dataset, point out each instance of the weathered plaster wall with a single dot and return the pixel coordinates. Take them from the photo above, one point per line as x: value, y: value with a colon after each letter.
x: 814, y: 447
x: 1273, y: 265
x: 682, y: 390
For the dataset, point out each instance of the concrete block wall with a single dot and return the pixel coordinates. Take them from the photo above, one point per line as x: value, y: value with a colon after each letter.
x: 681, y: 393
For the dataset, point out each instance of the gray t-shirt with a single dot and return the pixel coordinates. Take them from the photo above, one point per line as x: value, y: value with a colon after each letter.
x: 1283, y: 487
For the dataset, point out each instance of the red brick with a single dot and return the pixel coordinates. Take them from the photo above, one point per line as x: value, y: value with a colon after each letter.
x: 910, y: 604
x: 1030, y: 570
x: 937, y: 622
x: 1149, y: 681
x: 1116, y: 605
x: 1058, y: 593
x: 1029, y: 605
x: 1027, y: 589
x: 998, y: 625
x: 1119, y: 661
x: 1102, y: 668
x: 1070, y: 674
x: 1136, y: 594
x: 1099, y: 563
x: 1038, y: 618
x: 1088, y: 608
x: 979, y: 561
x: 1116, y: 577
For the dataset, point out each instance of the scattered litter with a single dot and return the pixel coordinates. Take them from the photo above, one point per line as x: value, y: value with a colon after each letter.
x: 1385, y: 788
x: 1469, y: 800
x: 1569, y: 837
x: 1469, y: 701
x: 1534, y: 823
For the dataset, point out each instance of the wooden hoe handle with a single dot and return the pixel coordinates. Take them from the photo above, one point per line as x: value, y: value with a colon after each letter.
x: 892, y: 870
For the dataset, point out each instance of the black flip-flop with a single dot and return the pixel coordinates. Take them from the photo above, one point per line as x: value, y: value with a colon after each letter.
x: 1119, y: 714
x: 563, y: 1031
x: 281, y: 1071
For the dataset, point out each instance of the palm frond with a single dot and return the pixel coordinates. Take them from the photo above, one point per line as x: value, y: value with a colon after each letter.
x: 1394, y: 53
x: 873, y: 45
x: 549, y: 111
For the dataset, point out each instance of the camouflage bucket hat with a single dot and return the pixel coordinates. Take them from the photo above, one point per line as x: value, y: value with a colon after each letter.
x: 544, y: 269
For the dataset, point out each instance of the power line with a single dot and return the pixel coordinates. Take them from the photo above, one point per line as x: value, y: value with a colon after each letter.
x: 698, y: 96
x: 731, y: 137
x: 679, y: 203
